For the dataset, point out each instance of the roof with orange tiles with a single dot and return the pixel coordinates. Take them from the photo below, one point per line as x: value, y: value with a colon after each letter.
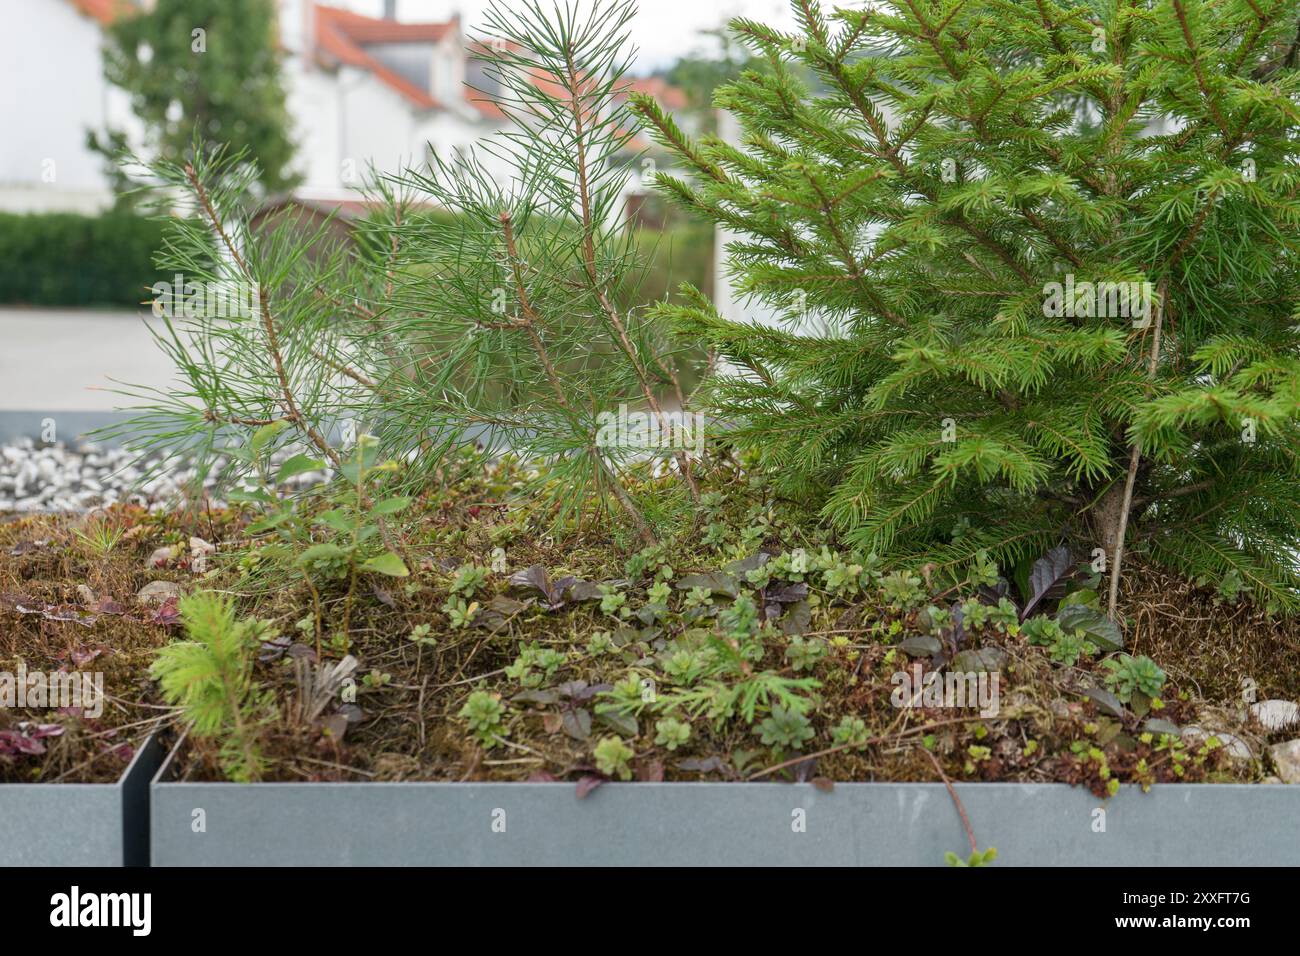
x: 340, y: 34
x: 105, y: 11
x: 671, y: 97
x: 364, y: 29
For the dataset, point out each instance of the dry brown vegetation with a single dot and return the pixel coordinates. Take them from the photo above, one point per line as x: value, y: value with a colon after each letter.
x: 411, y: 693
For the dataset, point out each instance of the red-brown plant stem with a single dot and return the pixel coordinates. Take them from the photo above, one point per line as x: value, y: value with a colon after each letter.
x: 593, y: 278
x: 961, y: 810
x: 528, y: 322
x: 293, y: 412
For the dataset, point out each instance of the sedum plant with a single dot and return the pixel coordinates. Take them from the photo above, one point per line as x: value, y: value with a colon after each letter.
x: 784, y: 728
x: 485, y: 714
x: 1038, y: 262
x: 614, y: 758
x: 976, y: 858
x: 1127, y: 675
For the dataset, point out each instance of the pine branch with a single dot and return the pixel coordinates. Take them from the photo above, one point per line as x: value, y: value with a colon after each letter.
x: 573, y: 81
x: 529, y: 322
x: 294, y: 413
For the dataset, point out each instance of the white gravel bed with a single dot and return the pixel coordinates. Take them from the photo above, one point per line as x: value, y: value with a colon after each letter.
x: 36, y: 477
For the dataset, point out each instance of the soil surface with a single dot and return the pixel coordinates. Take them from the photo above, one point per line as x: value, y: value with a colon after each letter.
x: 626, y: 653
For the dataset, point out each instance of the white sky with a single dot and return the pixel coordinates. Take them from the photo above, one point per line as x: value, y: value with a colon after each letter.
x: 663, y: 30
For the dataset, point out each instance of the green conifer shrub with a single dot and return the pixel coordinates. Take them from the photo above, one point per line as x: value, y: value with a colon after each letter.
x: 210, y: 678
x: 502, y: 324
x: 952, y: 217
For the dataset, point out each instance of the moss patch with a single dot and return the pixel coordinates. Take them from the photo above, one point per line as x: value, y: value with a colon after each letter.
x: 743, y: 647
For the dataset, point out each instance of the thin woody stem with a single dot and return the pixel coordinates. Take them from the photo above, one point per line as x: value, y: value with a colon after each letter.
x: 528, y: 322
x: 593, y: 277
x: 961, y: 810
x: 1152, y: 365
x: 210, y: 416
x: 1135, y: 456
x: 294, y: 413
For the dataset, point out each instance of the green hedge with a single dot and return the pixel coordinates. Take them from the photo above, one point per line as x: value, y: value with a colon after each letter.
x: 681, y: 252
x: 70, y: 259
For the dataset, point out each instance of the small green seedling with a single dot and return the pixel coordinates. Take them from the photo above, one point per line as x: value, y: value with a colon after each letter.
x: 976, y: 858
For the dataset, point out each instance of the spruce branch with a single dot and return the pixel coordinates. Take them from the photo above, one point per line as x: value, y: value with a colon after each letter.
x: 1032, y: 161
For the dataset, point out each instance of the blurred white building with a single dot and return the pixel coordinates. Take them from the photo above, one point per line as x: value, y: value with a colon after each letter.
x: 361, y: 90
x: 365, y: 90
x: 53, y: 76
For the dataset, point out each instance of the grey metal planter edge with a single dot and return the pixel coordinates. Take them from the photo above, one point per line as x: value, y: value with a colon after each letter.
x: 684, y: 824
x: 81, y: 824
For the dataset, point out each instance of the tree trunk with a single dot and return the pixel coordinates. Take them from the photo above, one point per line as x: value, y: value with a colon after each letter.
x: 1106, y: 519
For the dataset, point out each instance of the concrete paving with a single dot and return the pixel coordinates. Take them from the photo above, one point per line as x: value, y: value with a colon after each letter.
x: 60, y: 359
x: 58, y: 363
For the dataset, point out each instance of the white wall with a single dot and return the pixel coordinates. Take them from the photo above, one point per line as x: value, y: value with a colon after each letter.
x: 296, y: 27
x: 312, y: 103
x: 351, y: 117
x: 56, y: 91
x: 376, y: 124
x: 447, y: 72
x: 729, y: 303
x: 447, y: 132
